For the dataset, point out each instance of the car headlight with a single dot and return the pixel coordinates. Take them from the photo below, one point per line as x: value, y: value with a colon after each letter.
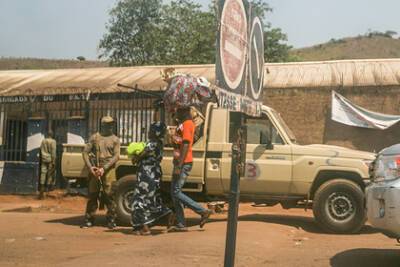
x: 386, y: 168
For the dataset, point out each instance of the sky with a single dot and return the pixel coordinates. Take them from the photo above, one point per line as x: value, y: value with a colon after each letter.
x: 71, y: 28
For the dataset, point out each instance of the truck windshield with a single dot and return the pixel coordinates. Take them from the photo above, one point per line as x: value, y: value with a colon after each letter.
x: 289, y: 132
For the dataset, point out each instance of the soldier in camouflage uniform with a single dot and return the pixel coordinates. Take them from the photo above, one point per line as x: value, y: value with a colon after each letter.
x: 100, y: 156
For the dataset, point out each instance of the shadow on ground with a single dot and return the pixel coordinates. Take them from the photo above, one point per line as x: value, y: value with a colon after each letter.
x: 365, y: 257
x: 299, y: 222
x: 307, y: 224
x: 77, y: 220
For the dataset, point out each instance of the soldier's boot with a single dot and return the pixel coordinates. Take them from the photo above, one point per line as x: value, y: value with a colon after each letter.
x: 111, y: 216
x: 41, y: 192
x: 89, y: 221
x: 111, y: 223
x: 111, y: 210
x: 50, y: 187
x: 91, y: 207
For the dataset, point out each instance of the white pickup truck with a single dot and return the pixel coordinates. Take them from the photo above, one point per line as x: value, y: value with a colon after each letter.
x: 331, y: 179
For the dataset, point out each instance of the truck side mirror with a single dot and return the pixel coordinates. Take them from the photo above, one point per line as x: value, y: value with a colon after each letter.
x: 267, y: 141
x: 269, y: 145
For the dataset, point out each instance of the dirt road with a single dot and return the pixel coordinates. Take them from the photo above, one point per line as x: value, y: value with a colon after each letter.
x: 34, y: 233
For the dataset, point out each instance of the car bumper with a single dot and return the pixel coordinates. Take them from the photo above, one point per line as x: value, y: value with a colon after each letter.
x: 383, y: 207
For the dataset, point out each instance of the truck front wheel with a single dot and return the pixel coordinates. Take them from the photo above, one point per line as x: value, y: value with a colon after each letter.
x: 338, y: 206
x: 124, y: 198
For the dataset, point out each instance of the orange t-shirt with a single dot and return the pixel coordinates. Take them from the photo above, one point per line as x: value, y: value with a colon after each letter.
x: 188, y: 135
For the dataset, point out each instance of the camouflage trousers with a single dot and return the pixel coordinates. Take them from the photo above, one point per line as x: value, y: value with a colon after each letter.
x: 99, y: 193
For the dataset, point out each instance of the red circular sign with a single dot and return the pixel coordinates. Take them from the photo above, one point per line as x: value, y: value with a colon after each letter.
x: 233, y: 42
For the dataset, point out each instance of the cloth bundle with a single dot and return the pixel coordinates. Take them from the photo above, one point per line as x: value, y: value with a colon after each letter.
x: 185, y: 91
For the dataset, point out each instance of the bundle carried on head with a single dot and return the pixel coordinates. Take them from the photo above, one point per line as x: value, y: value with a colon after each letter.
x: 185, y: 90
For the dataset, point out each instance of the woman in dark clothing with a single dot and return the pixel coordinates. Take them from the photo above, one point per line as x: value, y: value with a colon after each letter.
x: 147, y: 203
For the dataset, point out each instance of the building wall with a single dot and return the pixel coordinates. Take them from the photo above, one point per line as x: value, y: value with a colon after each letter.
x: 307, y: 111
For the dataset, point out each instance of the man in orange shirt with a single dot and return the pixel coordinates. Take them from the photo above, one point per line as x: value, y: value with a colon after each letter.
x: 182, y: 168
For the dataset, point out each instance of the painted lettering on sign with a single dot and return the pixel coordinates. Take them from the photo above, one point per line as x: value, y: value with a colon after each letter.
x: 13, y: 99
x: 236, y: 102
x: 77, y: 97
x: 48, y: 98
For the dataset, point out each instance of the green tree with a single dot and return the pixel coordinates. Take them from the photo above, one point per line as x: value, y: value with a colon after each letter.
x: 188, y: 34
x: 131, y: 33
x: 144, y: 32
x: 276, y: 48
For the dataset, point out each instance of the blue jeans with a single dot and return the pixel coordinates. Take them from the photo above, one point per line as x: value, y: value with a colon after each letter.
x: 180, y: 199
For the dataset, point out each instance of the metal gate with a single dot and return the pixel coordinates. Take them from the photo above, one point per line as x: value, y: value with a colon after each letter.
x: 60, y: 130
x: 15, y: 132
x: 133, y: 113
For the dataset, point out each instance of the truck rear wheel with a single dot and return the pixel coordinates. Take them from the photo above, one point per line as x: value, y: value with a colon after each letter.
x: 338, y: 206
x: 124, y: 198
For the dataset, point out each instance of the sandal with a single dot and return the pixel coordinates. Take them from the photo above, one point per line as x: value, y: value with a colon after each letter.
x: 204, y: 218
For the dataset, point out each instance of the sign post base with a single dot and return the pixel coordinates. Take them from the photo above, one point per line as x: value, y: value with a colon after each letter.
x: 237, y: 170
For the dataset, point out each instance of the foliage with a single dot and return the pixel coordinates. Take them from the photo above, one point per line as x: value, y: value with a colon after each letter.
x: 8, y: 63
x: 145, y: 32
x: 387, y: 34
x: 275, y: 47
x: 131, y: 33
x: 188, y: 34
x: 359, y: 47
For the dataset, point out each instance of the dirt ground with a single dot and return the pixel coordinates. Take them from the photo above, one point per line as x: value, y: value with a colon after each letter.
x: 47, y: 233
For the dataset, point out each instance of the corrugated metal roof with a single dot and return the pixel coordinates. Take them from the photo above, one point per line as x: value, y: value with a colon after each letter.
x: 97, y: 80
x: 347, y: 73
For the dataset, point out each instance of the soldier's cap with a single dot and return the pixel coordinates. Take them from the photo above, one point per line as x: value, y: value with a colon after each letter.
x: 107, y: 119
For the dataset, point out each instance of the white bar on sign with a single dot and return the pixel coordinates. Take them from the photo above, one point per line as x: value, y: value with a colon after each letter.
x: 232, y: 49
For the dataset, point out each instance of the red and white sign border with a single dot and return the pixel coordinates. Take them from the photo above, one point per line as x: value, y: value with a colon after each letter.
x: 233, y: 85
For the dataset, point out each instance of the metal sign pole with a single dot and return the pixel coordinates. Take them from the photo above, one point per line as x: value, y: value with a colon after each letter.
x: 237, y: 170
x: 239, y: 45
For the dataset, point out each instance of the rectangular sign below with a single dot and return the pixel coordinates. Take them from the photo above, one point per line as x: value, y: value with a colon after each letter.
x: 236, y: 102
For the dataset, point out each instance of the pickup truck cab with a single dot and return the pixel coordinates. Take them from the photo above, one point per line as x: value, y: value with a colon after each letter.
x: 278, y: 170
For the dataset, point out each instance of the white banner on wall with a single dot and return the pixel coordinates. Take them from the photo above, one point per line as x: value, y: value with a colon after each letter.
x: 34, y: 141
x: 75, y: 139
x: 345, y: 112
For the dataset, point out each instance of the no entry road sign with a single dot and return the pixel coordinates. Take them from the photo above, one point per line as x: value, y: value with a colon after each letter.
x: 233, y: 43
x: 240, y: 58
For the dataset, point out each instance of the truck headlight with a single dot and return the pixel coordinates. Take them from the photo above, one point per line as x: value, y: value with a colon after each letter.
x: 386, y: 168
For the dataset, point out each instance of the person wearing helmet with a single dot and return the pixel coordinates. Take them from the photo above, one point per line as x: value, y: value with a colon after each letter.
x: 147, y: 204
x: 100, y: 155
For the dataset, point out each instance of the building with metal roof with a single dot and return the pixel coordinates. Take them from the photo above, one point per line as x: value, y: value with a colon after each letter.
x: 71, y: 101
x: 345, y: 73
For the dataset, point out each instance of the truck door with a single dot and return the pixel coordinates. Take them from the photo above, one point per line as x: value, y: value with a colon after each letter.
x: 268, y: 157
